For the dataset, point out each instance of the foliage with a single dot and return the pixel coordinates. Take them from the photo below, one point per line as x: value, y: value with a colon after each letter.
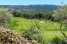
x: 58, y: 40
x: 34, y: 34
x: 60, y: 14
x: 38, y: 15
x: 24, y: 25
x: 5, y: 17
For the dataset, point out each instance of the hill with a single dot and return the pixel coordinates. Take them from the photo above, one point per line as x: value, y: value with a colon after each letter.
x: 31, y: 7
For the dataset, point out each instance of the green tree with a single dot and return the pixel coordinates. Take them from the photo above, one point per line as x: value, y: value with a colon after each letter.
x: 61, y: 16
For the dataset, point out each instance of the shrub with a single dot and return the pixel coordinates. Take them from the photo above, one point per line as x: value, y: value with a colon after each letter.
x: 5, y: 17
x: 58, y: 40
x: 33, y: 34
x: 16, y: 14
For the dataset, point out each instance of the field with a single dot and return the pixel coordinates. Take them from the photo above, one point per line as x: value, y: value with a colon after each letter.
x: 49, y: 29
x: 36, y: 27
x: 19, y: 24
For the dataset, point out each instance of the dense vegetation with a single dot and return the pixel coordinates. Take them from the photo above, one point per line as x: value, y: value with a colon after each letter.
x: 45, y: 28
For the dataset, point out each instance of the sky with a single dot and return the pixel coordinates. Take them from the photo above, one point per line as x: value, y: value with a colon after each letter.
x: 32, y: 2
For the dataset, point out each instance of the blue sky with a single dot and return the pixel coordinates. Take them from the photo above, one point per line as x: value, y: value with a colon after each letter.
x: 33, y: 2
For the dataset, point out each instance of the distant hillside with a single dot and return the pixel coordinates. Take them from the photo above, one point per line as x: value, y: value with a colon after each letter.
x: 31, y: 7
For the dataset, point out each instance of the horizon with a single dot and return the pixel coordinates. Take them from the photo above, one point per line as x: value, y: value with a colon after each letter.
x: 33, y: 2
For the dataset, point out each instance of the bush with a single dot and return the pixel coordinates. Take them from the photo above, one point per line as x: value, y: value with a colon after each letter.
x: 5, y: 17
x: 16, y: 14
x: 28, y: 16
x: 33, y: 34
x: 58, y: 40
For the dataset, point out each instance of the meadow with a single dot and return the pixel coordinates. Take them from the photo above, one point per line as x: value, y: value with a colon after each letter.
x: 19, y: 24
x: 49, y: 29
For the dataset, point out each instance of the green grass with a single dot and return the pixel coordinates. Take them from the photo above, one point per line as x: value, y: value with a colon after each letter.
x: 21, y: 24
x: 49, y: 29
x: 49, y: 35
